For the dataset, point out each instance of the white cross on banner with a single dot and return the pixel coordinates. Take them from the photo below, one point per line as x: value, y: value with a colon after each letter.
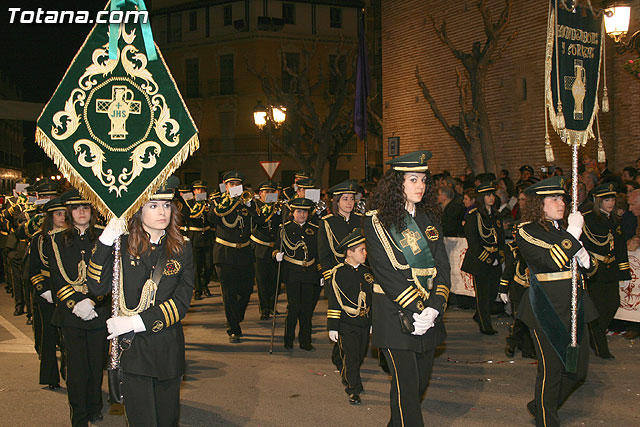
x: 270, y: 168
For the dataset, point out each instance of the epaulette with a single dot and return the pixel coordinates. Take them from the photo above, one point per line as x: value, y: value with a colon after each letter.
x: 288, y: 222
x: 522, y: 224
x: 312, y: 224
x: 472, y: 210
x: 372, y: 212
x: 587, y: 212
x: 532, y: 240
x: 357, y: 213
x: 99, y: 226
x: 56, y: 231
x: 512, y: 245
x: 327, y: 216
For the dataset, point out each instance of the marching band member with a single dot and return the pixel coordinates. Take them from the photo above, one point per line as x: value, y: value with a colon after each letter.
x: 412, y: 280
x: 156, y: 283
x: 201, y: 237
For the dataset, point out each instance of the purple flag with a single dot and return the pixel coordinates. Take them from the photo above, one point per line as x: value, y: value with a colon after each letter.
x: 362, y: 84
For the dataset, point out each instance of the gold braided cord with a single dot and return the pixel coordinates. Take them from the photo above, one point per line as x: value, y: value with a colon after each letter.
x: 77, y: 181
x: 530, y: 239
x: 80, y: 284
x: 238, y: 220
x: 331, y: 237
x: 43, y: 259
x: 482, y: 227
x: 383, y: 236
x: 362, y: 297
x: 288, y: 244
x: 147, y: 298
x: 596, y: 239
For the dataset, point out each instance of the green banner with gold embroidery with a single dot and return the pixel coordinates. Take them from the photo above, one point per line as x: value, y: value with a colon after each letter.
x: 117, y: 128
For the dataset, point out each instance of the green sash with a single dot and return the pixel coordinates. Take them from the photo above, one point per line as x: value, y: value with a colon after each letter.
x: 415, y: 249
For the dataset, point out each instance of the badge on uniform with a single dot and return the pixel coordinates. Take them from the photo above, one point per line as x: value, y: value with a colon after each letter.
x: 245, y: 212
x: 432, y: 233
x: 309, y: 231
x: 566, y: 243
x: 368, y: 277
x: 172, y: 267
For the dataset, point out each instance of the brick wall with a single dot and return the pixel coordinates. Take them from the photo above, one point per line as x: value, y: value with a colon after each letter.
x: 516, y: 113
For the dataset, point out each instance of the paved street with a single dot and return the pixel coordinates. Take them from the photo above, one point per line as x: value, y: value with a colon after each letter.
x: 474, y: 383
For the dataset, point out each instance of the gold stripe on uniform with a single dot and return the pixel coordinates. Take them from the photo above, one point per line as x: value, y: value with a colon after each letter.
x: 65, y: 293
x: 561, y: 253
x: 556, y: 258
x: 175, y: 309
x: 166, y: 315
x: 45, y: 273
x: 94, y: 265
x: 403, y: 294
x: 93, y: 276
x: 558, y: 275
x: 624, y: 266
x: 407, y: 296
x: 169, y: 313
x: 410, y: 300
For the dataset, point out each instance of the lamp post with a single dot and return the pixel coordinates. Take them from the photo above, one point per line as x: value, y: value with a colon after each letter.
x: 262, y: 116
x: 616, y: 23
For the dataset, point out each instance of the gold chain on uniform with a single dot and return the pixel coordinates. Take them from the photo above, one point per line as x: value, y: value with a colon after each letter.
x: 384, y: 238
x: 492, y: 231
x: 147, y: 297
x: 362, y: 297
x: 80, y: 284
x: 595, y: 238
x: 331, y: 237
x: 289, y: 244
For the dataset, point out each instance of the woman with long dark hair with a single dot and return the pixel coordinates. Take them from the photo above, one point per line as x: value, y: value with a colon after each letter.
x: 55, y: 218
x: 485, y: 238
x: 412, y: 280
x: 80, y: 315
x: 156, y: 283
x: 548, y: 249
x: 603, y: 239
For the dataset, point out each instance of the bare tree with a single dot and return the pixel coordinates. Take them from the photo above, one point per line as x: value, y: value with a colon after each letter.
x: 473, y: 131
x: 318, y: 125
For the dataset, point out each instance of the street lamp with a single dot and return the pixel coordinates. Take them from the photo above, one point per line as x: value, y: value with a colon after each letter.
x: 616, y: 23
x: 276, y: 115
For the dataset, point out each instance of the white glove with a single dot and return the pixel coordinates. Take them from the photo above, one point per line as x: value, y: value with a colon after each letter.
x: 47, y: 296
x: 333, y: 336
x: 123, y: 324
x: 322, y: 282
x: 504, y: 298
x: 420, y: 327
x: 495, y: 262
x: 84, y: 309
x: 576, y: 221
x: 248, y: 204
x: 583, y: 258
x: 113, y: 230
x: 428, y: 315
x: 279, y: 256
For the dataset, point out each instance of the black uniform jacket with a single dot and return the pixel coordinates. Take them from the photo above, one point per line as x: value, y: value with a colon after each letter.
x: 602, y: 237
x: 263, y: 235
x: 198, y: 229
x: 38, y: 268
x: 233, y: 232
x: 485, y: 238
x: 332, y: 229
x: 395, y: 289
x: 300, y: 247
x: 159, y: 351
x: 348, y: 281
x: 551, y: 252
x: 516, y: 272
x: 64, y: 259
x: 452, y: 217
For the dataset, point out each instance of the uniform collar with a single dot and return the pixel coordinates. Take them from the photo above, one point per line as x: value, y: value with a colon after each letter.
x: 160, y: 239
x: 355, y: 267
x: 343, y: 216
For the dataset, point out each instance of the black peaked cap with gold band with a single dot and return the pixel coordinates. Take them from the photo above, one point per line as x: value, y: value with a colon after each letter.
x: 301, y: 203
x: 46, y: 187
x: 605, y: 190
x: 412, y: 162
x: 54, y: 205
x: 233, y: 176
x: 486, y: 187
x: 526, y: 168
x: 184, y: 188
x: 199, y: 184
x: 547, y: 187
x: 306, y: 183
x: 352, y: 240
x: 73, y: 197
x: 301, y: 175
x: 346, y: 187
x: 267, y: 185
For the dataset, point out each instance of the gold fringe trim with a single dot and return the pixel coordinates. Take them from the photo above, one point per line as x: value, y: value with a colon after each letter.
x: 570, y: 137
x: 77, y: 181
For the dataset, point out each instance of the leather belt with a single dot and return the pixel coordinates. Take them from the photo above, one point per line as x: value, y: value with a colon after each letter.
x: 203, y: 229
x: 184, y: 228
x: 549, y: 277
x: 605, y: 259
x: 231, y: 244
x: 262, y: 242
x: 300, y: 263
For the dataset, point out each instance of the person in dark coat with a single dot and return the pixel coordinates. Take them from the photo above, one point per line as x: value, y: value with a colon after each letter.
x: 300, y: 271
x: 201, y: 237
x: 80, y: 315
x: 453, y: 212
x: 348, y: 311
x: 485, y: 238
x: 548, y: 249
x: 150, y: 313
x: 412, y: 280
x: 602, y: 238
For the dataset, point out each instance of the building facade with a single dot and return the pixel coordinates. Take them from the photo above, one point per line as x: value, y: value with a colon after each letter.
x: 514, y: 86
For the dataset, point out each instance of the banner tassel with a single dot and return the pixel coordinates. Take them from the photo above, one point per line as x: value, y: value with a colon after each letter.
x: 602, y: 157
x: 548, y: 149
x: 605, y: 92
x: 560, y: 117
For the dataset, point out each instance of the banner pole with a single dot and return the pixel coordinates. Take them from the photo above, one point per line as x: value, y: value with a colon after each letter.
x: 114, y: 362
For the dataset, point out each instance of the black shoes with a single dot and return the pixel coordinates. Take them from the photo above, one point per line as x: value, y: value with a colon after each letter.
x: 19, y: 311
x: 307, y: 347
x: 234, y: 338
x: 29, y: 321
x: 606, y: 355
x: 509, y: 350
x: 54, y: 387
x: 197, y: 296
x: 354, y: 399
x: 96, y: 417
x: 531, y: 407
x: 264, y: 315
x: 206, y: 292
x: 288, y: 345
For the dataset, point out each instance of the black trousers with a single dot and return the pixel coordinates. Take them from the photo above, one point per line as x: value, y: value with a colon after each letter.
x: 519, y: 336
x: 202, y: 257
x: 266, y: 276
x: 236, y: 282
x: 300, y: 296
x: 353, y: 342
x: 86, y: 351
x: 15, y: 264
x: 47, y: 339
x: 486, y: 289
x: 606, y: 297
x: 553, y: 383
x: 410, y: 373
x: 151, y: 402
